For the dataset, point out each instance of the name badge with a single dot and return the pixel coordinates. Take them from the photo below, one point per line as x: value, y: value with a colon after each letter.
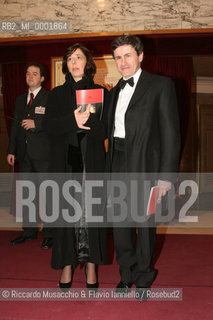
x: 40, y: 110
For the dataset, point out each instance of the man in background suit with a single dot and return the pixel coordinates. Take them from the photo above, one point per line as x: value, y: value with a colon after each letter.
x: 29, y: 145
x: 143, y: 138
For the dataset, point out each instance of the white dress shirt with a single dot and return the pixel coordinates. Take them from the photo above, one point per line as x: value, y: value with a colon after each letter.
x: 124, y: 98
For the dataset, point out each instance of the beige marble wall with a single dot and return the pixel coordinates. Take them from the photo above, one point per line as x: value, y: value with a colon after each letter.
x: 110, y: 15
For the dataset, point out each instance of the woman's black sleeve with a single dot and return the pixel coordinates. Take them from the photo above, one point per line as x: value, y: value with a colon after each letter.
x: 55, y: 121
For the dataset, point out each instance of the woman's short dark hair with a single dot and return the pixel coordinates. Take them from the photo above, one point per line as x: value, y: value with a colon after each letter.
x: 90, y: 64
x: 134, y: 41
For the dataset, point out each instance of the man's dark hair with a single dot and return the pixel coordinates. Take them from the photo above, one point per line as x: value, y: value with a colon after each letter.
x: 38, y: 65
x: 90, y: 64
x: 134, y: 41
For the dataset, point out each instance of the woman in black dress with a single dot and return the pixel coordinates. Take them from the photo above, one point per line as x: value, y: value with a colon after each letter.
x: 78, y: 146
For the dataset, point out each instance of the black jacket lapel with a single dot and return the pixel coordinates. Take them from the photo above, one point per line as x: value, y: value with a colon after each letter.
x: 38, y: 99
x: 111, y: 115
x: 142, y: 86
x: 113, y: 99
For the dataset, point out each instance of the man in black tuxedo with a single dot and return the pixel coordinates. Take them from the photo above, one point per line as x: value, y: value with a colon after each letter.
x: 143, y: 138
x: 29, y: 145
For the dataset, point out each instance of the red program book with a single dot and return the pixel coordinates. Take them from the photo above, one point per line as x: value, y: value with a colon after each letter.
x: 153, y: 197
x: 94, y: 97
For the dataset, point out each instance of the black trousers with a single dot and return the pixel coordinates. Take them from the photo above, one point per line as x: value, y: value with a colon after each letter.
x: 134, y: 249
x: 28, y: 168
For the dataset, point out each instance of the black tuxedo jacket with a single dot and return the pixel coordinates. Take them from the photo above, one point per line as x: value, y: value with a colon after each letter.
x: 151, y: 125
x: 34, y: 141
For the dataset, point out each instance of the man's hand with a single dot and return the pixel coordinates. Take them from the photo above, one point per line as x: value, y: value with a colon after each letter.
x: 165, y: 186
x: 28, y: 124
x: 11, y: 159
x: 82, y: 117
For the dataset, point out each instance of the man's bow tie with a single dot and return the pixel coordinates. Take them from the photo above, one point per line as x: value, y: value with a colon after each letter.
x: 123, y: 82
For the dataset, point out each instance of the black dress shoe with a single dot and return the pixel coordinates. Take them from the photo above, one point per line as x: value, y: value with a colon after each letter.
x: 92, y: 286
x: 142, y: 294
x: 47, y: 243
x: 65, y: 286
x: 123, y: 287
x: 23, y: 238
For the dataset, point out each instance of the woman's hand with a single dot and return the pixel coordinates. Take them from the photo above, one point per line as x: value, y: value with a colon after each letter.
x: 82, y: 117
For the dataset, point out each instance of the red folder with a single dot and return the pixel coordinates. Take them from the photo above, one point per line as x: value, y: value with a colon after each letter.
x: 153, y: 197
x: 94, y: 97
